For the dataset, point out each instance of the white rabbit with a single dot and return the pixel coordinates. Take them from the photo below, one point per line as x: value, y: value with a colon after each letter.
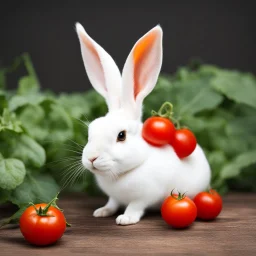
x: 131, y: 172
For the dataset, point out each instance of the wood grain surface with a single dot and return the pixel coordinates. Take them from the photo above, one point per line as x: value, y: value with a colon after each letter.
x: 233, y: 233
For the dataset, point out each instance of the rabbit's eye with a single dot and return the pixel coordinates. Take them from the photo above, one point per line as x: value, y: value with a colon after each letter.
x: 121, y: 136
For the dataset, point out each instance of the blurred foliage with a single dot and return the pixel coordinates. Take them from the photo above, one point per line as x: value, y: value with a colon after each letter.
x: 42, y: 133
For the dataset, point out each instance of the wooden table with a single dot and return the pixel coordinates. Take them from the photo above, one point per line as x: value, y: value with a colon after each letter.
x: 233, y: 233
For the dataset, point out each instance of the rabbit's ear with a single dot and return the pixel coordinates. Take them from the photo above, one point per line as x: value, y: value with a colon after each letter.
x: 101, y: 69
x: 141, y: 71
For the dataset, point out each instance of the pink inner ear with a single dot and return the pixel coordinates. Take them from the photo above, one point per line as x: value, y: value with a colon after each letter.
x: 96, y: 58
x: 141, y: 55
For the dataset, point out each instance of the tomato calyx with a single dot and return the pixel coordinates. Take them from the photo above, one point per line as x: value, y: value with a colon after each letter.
x: 43, y: 211
x: 166, y: 111
x: 179, y: 197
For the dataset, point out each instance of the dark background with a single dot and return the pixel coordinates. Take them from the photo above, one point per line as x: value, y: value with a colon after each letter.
x: 219, y: 33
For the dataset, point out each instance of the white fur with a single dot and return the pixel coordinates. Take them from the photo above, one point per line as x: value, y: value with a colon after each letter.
x: 133, y: 173
x: 102, y: 71
x: 147, y: 77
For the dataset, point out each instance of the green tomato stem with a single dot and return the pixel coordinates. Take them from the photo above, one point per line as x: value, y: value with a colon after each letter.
x: 166, y: 111
x: 46, y: 208
x: 43, y: 211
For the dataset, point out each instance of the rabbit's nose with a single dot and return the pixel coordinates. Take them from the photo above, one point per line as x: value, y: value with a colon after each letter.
x: 93, y: 159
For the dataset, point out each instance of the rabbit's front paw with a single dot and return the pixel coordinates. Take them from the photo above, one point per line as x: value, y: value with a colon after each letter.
x: 124, y: 219
x: 104, y: 212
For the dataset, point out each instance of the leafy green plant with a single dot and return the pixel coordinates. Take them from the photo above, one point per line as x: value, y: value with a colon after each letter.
x: 39, y: 128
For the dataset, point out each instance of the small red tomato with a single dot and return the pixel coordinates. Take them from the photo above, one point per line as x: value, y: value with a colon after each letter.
x: 184, y: 142
x: 158, y: 131
x: 41, y: 227
x: 209, y: 204
x: 179, y: 211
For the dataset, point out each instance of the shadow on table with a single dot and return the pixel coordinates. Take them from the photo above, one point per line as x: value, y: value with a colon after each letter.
x: 22, y: 242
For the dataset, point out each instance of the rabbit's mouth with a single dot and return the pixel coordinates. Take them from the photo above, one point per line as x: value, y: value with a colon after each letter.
x: 95, y: 170
x: 105, y: 172
x: 90, y: 167
x: 103, y: 166
x: 98, y: 172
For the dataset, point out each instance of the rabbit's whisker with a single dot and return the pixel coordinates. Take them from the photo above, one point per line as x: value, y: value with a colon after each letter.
x: 87, y: 119
x: 112, y: 175
x: 72, y: 176
x: 69, y: 171
x: 74, y: 151
x: 66, y: 159
x: 79, y: 145
x: 71, y: 165
x: 79, y: 171
x: 74, y: 147
x: 76, y: 177
x: 82, y: 122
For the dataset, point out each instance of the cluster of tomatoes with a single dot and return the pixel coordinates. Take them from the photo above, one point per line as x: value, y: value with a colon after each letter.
x: 179, y: 211
x: 43, y: 224
x: 159, y: 130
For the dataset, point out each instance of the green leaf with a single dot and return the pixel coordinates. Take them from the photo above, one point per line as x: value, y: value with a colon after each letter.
x: 60, y: 125
x: 230, y: 145
x: 242, y: 126
x: 236, y: 86
x: 208, y: 70
x: 34, y: 120
x: 195, y: 96
x: 89, y: 104
x: 4, y: 195
x: 28, y: 150
x: 12, y: 173
x: 30, y: 67
x: 47, y: 123
x: 27, y: 85
x: 217, y: 160
x: 189, y: 97
x: 8, y: 121
x: 164, y: 91
x: 36, y: 189
x: 245, y: 181
x: 18, y: 101
x: 235, y: 167
x: 74, y: 104
x: 204, y: 123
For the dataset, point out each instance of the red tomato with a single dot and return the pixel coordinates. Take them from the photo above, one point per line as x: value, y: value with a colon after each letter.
x: 42, y: 230
x: 178, y: 212
x: 158, y: 131
x: 209, y: 205
x: 184, y: 142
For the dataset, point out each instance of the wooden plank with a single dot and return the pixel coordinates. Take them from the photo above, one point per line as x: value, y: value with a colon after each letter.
x: 233, y: 233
